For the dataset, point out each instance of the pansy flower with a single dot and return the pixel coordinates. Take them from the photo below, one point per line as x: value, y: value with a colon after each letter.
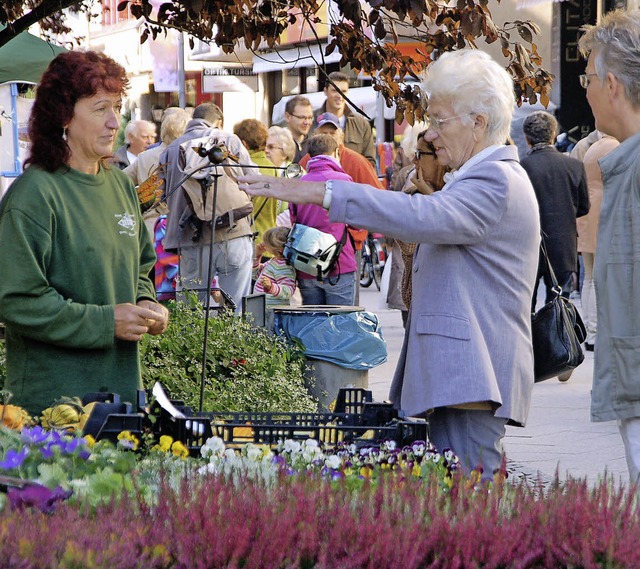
x: 14, y: 459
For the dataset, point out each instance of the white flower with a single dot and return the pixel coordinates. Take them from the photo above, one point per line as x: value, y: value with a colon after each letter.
x: 311, y: 443
x: 389, y: 445
x: 230, y: 455
x: 450, y: 456
x: 253, y: 452
x: 292, y: 446
x: 333, y: 462
x: 212, y: 446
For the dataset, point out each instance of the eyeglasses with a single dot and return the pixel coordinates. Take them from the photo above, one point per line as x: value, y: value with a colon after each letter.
x: 420, y: 153
x: 303, y: 119
x: 584, y: 79
x: 438, y: 124
x: 274, y: 147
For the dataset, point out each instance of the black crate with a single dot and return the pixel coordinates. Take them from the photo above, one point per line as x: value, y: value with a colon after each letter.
x: 352, y: 399
x: 356, y: 419
x: 115, y: 423
x: 191, y: 431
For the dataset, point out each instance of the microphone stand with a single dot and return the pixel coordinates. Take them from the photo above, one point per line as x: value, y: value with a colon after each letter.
x: 215, y: 158
x: 215, y: 175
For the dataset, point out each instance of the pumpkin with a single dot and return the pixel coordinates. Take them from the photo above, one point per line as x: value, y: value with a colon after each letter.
x: 14, y: 417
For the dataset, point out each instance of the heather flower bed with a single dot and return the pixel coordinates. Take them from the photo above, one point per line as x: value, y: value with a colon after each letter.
x: 303, y: 522
x: 297, y: 506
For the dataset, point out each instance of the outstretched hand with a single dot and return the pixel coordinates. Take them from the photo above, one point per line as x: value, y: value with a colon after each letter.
x: 291, y: 190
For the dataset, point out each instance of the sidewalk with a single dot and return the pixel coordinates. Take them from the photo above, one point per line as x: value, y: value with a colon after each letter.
x: 559, y: 434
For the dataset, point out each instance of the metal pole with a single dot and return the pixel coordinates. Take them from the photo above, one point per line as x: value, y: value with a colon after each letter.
x: 182, y: 98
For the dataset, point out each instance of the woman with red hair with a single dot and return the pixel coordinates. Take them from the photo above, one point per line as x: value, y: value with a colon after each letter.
x: 75, y: 258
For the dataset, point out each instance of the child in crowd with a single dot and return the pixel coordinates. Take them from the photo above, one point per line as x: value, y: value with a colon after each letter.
x: 275, y: 278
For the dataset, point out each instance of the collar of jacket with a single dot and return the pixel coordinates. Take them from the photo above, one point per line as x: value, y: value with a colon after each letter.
x: 540, y: 146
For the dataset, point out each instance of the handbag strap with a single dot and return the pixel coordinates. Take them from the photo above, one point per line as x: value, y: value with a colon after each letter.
x: 554, y: 281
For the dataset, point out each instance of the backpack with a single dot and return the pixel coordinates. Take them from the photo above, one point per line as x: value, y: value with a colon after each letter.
x: 232, y: 204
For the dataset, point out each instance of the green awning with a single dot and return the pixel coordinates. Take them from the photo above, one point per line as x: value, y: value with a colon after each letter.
x: 25, y: 58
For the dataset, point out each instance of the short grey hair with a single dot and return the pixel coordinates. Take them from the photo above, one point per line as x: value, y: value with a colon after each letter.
x: 133, y: 127
x: 173, y: 125
x: 540, y: 127
x: 473, y: 83
x: 285, y: 139
x: 615, y: 43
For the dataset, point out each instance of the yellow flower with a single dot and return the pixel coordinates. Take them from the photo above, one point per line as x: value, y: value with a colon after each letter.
x: 128, y: 440
x: 366, y: 471
x: 178, y: 449
x: 90, y: 441
x: 416, y: 470
x: 165, y: 443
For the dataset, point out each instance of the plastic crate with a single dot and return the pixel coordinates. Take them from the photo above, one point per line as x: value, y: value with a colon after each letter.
x: 115, y: 423
x: 191, y: 431
x: 356, y: 419
x: 352, y: 399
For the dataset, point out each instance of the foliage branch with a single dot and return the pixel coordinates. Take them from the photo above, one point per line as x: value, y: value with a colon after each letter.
x: 368, y: 35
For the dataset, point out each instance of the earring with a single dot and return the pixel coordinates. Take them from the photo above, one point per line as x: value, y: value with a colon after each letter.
x: 64, y: 134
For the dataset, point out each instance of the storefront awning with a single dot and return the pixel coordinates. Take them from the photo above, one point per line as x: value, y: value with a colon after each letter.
x: 308, y: 55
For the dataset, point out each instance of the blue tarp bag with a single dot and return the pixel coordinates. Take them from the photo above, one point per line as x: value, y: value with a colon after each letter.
x: 352, y: 340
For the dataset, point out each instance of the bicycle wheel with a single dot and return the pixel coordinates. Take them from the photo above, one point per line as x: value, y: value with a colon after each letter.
x: 376, y: 268
x: 366, y: 271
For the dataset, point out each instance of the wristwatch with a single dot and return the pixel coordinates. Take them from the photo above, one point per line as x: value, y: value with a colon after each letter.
x: 328, y: 188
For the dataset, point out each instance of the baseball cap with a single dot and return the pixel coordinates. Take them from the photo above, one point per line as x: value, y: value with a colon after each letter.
x: 328, y: 118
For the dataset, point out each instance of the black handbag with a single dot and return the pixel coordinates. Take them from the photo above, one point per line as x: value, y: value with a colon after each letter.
x: 557, y: 331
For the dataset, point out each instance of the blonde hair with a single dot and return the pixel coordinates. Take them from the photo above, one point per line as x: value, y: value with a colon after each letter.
x: 276, y: 237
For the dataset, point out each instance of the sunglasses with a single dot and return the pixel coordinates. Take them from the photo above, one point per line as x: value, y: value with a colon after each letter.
x: 420, y: 153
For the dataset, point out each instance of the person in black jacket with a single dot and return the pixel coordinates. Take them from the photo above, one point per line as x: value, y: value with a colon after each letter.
x: 560, y: 184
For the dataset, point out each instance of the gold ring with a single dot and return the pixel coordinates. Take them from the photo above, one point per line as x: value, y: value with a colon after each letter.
x: 266, y: 186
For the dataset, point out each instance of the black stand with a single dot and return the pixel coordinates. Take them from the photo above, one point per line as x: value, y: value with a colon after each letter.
x: 207, y: 307
x: 216, y: 156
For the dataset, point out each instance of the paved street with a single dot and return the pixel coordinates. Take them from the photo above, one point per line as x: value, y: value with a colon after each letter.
x: 559, y: 434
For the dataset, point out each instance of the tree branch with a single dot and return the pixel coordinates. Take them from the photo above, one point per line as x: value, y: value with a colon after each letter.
x: 41, y: 11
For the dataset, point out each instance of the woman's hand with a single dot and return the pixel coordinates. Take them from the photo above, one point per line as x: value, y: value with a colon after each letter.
x: 133, y: 321
x: 291, y: 190
x: 421, y: 184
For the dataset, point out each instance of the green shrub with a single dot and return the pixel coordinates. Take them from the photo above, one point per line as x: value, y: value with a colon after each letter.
x: 247, y: 368
x: 3, y: 363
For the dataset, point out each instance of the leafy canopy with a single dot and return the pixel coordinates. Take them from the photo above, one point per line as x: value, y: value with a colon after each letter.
x: 368, y: 34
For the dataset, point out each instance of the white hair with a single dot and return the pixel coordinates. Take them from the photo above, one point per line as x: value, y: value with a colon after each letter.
x: 473, y: 84
x: 134, y: 127
x: 409, y: 142
x: 285, y: 139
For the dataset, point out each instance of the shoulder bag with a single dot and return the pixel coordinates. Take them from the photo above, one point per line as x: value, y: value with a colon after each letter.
x: 557, y: 331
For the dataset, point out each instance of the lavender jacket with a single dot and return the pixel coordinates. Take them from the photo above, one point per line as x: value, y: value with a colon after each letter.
x: 468, y: 338
x: 319, y: 169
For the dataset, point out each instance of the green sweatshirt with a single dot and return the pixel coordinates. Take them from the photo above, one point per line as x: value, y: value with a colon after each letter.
x: 72, y: 246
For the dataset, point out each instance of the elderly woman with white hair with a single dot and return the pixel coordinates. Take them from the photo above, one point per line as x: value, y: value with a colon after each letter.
x: 467, y: 360
x: 281, y: 147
